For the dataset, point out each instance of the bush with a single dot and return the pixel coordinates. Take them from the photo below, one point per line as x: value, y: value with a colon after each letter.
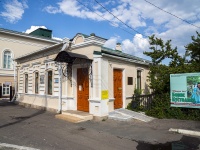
x: 161, y: 109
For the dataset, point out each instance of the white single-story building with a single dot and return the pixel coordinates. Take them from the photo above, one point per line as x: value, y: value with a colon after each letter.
x: 80, y: 74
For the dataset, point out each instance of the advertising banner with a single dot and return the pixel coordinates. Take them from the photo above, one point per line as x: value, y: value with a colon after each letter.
x: 185, y: 90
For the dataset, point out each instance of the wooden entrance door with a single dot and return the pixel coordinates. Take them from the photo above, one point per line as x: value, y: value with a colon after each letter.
x: 118, y: 90
x: 82, y: 89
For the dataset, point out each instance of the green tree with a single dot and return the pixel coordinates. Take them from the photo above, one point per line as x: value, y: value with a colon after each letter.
x: 159, y: 75
x: 193, y: 49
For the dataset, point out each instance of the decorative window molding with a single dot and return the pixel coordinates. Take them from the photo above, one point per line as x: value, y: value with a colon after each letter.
x: 36, y: 82
x: 49, y: 82
x: 141, y: 69
x: 26, y: 83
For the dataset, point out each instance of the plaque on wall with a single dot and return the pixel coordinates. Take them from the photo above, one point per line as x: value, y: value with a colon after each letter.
x: 41, y: 79
x: 56, y: 80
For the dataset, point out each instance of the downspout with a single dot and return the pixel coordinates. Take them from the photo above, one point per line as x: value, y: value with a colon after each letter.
x: 15, y: 82
x: 60, y: 89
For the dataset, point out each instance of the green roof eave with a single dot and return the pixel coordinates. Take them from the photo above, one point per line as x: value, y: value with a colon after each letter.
x: 7, y: 31
x: 97, y: 53
x: 118, y: 53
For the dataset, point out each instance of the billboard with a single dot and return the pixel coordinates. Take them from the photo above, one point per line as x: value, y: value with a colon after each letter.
x: 185, y: 90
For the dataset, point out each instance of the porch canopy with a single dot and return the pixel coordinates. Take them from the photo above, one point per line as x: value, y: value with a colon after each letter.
x: 71, y: 58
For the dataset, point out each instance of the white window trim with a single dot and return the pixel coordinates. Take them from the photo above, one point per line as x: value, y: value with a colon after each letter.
x: 35, y: 81
x: 2, y: 56
x: 25, y: 86
x: 6, y: 88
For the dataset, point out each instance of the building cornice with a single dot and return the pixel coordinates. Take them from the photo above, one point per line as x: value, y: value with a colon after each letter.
x: 20, y: 34
x: 97, y: 43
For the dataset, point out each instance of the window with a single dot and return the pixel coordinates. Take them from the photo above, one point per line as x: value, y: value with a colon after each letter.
x: 49, y: 85
x: 7, y: 60
x: 26, y: 83
x: 6, y: 89
x: 130, y: 80
x: 138, y: 79
x: 36, y: 82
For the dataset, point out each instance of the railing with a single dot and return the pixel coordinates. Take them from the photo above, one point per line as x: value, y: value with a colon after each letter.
x: 142, y: 101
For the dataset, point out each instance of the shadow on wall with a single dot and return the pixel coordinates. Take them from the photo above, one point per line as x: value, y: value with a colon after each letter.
x: 146, y: 89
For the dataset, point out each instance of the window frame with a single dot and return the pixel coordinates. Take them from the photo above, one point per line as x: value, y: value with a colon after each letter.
x: 36, y: 82
x: 139, y: 79
x: 7, y: 59
x: 26, y: 83
x: 50, y: 82
x: 8, y: 89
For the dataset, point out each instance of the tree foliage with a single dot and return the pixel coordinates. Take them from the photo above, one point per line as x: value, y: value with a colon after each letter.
x: 193, y: 49
x: 159, y: 74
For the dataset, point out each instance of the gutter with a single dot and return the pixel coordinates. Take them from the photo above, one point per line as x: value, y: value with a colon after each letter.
x: 126, y: 59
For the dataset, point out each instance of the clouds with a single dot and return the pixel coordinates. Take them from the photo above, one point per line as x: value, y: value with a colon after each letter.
x: 33, y: 28
x: 136, y: 46
x: 134, y: 14
x: 72, y: 8
x: 140, y: 15
x: 13, y: 10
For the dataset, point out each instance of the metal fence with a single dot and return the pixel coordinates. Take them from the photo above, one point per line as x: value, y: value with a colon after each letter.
x: 143, y: 102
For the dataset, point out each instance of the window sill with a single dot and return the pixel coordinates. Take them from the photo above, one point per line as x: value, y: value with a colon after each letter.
x: 7, y: 69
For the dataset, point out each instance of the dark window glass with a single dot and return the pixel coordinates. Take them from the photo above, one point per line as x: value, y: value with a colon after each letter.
x: 26, y: 83
x: 138, y: 79
x: 49, y: 82
x: 36, y: 82
x: 130, y: 80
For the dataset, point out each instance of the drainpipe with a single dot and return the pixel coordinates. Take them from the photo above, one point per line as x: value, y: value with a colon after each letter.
x: 15, y: 81
x: 60, y: 89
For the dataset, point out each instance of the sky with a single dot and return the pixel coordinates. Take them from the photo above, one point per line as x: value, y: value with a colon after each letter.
x: 128, y: 22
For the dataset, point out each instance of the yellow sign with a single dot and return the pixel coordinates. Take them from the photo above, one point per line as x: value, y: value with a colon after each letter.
x: 104, y: 94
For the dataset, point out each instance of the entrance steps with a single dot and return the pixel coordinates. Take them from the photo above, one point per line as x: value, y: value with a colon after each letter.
x: 126, y: 115
x: 74, y: 116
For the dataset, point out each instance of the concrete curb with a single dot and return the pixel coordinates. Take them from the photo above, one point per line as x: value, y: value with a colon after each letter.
x: 188, y: 132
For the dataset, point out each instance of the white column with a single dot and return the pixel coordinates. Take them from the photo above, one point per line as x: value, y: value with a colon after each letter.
x: 60, y: 89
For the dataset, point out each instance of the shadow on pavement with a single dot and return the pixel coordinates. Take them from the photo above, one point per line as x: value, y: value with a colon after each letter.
x: 19, y: 118
x: 185, y: 143
x: 6, y: 102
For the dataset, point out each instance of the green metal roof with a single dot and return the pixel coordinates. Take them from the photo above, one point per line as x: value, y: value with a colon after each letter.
x: 118, y: 53
x: 42, y: 33
x: 27, y: 35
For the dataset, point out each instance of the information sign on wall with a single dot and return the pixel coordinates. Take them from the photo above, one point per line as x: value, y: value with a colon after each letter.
x: 104, y: 94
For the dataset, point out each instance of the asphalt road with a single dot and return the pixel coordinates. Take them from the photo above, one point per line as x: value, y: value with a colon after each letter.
x: 41, y: 130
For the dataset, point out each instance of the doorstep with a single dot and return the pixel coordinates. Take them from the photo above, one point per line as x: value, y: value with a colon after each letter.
x: 74, y: 116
